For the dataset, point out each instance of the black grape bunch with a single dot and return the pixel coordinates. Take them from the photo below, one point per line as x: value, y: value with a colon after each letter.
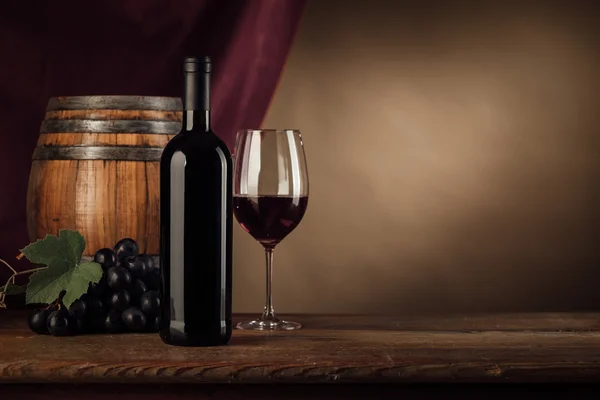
x: 126, y: 299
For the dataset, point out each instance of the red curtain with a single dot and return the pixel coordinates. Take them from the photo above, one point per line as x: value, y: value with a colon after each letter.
x: 66, y: 48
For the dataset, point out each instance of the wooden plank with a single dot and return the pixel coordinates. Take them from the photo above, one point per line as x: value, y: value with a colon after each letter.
x: 509, y: 348
x: 293, y: 391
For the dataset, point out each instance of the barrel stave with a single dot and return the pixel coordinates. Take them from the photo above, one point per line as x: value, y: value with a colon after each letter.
x: 51, y: 197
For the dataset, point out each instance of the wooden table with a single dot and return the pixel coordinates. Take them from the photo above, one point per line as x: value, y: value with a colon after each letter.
x: 330, y: 354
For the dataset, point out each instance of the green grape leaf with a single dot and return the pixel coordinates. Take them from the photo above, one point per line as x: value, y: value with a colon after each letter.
x: 11, y: 289
x: 62, y: 254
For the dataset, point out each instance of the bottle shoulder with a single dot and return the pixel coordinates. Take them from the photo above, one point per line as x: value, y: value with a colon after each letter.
x: 190, y: 143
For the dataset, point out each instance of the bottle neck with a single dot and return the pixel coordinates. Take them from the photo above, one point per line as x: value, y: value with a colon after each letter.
x: 196, y: 107
x: 196, y: 120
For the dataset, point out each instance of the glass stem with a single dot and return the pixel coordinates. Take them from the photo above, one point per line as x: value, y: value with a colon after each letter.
x: 269, y: 312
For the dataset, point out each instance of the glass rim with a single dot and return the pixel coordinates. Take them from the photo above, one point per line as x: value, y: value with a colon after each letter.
x: 269, y: 130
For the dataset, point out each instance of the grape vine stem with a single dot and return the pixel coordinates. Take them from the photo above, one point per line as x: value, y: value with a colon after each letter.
x: 11, y: 280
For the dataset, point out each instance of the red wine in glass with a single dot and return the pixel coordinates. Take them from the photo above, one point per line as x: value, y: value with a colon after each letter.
x: 270, y: 196
x: 269, y: 219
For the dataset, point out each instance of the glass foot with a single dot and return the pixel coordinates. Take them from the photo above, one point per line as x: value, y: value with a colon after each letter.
x: 273, y: 324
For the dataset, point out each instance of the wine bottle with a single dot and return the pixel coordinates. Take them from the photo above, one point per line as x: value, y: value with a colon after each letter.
x: 196, y: 223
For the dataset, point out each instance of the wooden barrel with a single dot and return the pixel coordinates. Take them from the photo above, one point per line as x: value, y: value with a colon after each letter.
x: 96, y: 168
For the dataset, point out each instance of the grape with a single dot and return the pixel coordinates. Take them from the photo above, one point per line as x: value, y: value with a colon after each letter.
x: 150, y: 303
x: 60, y: 323
x: 149, y: 261
x: 96, y: 323
x: 105, y: 257
x: 138, y: 288
x: 37, y: 320
x: 118, y: 278
x: 113, y: 323
x: 95, y: 306
x: 136, y: 266
x: 152, y: 278
x: 119, y: 300
x: 125, y: 248
x: 155, y: 326
x: 78, y: 308
x: 98, y: 289
x: 80, y: 327
x: 134, y: 319
x: 152, y: 281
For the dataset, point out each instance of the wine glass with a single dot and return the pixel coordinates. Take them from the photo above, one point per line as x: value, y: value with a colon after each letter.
x: 270, y: 195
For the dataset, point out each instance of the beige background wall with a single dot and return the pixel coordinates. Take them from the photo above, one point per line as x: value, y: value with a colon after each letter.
x: 454, y: 159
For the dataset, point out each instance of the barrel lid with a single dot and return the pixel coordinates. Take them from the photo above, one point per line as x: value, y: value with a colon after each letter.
x: 114, y: 103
